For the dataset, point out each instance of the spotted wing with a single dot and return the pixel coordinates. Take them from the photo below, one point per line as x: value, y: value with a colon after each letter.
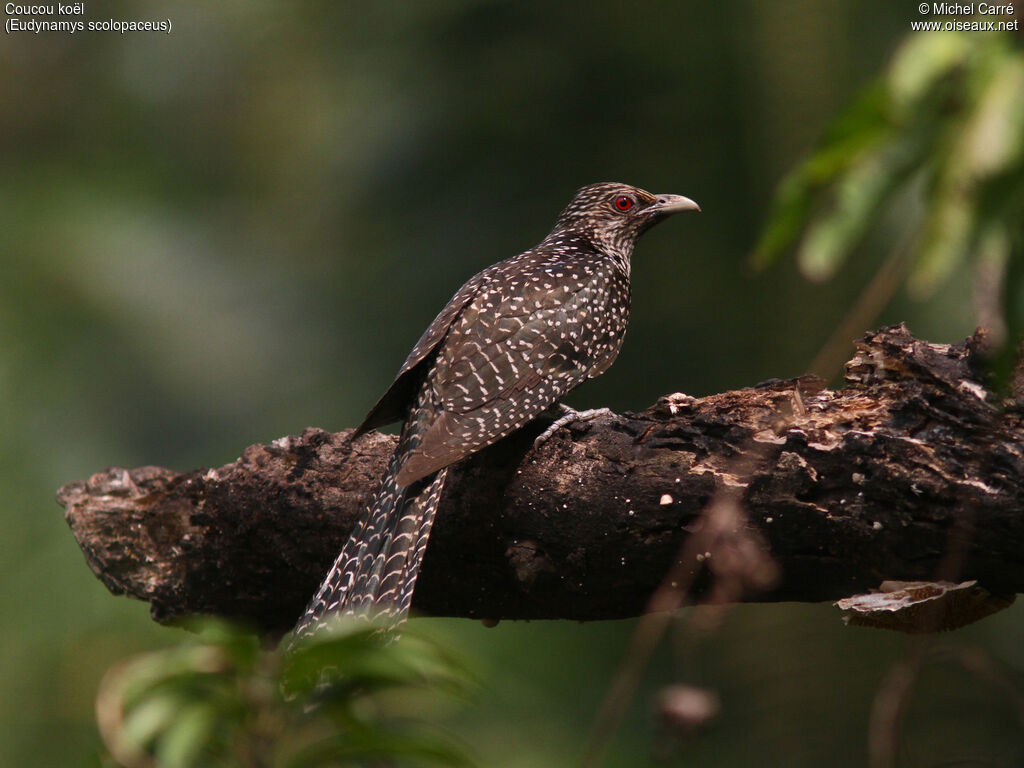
x: 516, y: 348
x: 394, y: 403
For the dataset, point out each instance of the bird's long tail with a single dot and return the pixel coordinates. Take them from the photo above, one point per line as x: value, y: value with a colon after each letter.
x: 375, y: 574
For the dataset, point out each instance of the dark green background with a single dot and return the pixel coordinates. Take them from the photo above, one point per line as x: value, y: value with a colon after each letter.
x: 225, y: 234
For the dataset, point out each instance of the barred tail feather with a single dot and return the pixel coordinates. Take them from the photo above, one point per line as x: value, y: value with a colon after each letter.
x: 404, y: 556
x: 376, y: 571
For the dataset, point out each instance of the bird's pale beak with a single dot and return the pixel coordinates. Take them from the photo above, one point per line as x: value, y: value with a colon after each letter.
x: 668, y: 204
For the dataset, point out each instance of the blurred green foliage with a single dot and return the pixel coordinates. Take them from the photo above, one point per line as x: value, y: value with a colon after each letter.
x: 223, y: 235
x: 946, y: 119
x: 343, y: 697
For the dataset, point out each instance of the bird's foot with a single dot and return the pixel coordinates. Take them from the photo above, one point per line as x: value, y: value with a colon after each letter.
x: 569, y: 416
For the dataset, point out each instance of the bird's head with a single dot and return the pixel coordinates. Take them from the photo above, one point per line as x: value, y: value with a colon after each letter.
x: 613, y: 215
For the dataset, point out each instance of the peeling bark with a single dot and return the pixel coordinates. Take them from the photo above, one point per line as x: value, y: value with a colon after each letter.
x: 913, y: 470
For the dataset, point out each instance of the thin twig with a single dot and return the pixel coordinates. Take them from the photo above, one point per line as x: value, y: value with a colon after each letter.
x: 738, y: 561
x: 875, y: 296
x: 668, y: 598
x: 890, y: 704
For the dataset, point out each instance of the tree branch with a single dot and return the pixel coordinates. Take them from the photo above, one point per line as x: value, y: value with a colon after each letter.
x: 911, y: 471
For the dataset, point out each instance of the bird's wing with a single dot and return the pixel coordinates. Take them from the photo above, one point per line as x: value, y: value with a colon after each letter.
x: 512, y: 352
x: 393, y: 404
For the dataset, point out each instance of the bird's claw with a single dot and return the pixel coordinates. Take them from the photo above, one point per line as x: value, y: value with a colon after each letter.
x: 569, y: 416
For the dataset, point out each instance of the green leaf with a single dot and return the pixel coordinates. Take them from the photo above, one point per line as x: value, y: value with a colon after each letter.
x: 187, y: 737
x: 353, y: 657
x: 988, y: 144
x: 239, y: 644
x: 143, y: 674
x: 218, y: 699
x: 144, y: 723
x: 921, y: 64
x: 948, y: 231
x: 948, y: 112
x: 861, y: 127
x: 860, y: 195
x: 993, y: 140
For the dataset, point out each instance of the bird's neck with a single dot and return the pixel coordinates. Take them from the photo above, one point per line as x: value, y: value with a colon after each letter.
x: 617, y: 251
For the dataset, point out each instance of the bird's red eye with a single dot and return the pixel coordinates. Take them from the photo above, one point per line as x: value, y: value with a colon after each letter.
x: 624, y: 202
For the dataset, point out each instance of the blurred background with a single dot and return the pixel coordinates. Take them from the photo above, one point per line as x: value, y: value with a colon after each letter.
x: 223, y: 235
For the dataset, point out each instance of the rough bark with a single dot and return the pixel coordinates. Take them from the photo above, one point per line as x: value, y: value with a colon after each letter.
x: 913, y: 470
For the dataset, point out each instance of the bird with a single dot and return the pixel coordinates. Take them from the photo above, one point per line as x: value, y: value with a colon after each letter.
x: 510, y: 343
